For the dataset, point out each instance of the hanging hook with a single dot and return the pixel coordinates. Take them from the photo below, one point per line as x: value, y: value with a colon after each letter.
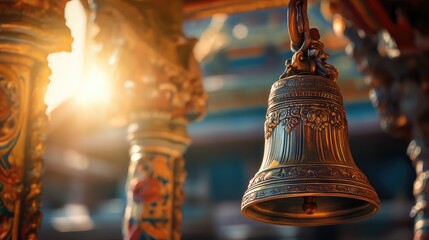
x: 308, y: 55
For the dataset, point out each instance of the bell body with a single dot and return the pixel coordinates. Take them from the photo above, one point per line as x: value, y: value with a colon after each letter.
x: 308, y: 176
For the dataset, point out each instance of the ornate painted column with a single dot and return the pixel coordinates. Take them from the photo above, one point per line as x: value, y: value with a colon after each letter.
x: 157, y: 92
x: 29, y: 31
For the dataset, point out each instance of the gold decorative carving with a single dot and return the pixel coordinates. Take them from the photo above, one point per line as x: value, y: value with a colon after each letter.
x: 30, y: 30
x: 159, y: 91
x: 148, y: 53
x: 40, y: 24
x: 34, y: 162
x: 11, y: 171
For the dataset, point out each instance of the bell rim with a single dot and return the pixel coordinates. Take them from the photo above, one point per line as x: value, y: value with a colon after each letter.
x: 309, y: 222
x: 332, y: 183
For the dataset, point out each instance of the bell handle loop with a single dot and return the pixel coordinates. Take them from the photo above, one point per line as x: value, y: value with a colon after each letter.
x: 308, y: 56
x: 299, y: 30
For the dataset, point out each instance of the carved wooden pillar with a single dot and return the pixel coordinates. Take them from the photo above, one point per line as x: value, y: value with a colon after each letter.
x: 158, y: 92
x: 400, y: 91
x: 29, y: 31
x: 413, y: 101
x: 418, y: 150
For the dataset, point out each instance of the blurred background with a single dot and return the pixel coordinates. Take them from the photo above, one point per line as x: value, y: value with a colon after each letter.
x: 241, y: 55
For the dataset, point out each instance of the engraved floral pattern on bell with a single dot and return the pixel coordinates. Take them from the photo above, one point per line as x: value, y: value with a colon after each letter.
x: 317, y: 118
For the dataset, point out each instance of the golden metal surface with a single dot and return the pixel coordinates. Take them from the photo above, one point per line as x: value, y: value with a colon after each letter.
x: 308, y: 176
x: 30, y: 30
x: 155, y: 60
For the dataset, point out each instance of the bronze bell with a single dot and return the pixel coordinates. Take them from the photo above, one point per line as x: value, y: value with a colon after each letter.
x: 308, y: 176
